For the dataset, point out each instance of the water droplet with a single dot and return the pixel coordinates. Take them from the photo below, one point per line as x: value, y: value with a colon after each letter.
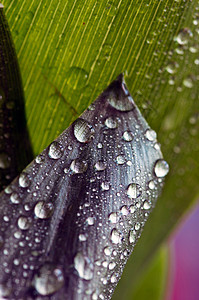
x: 132, y: 237
x: 107, y: 251
x: 112, y: 265
x: 196, y: 61
x: 194, y: 48
x: 120, y: 159
x: 113, y: 217
x: 132, y: 209
x: 99, y: 146
x: 137, y: 226
x: 8, y: 190
x: 79, y: 166
x: 172, y: 67
x: 23, y: 180
x: 94, y: 296
x: 124, y: 210
x: 83, y: 131
x: 134, y: 190
x: 17, y: 234
x: 48, y: 280
x: 128, y: 136
x: 111, y: 123
x: 105, y: 186
x: 146, y: 205
x: 113, y: 279
x: 106, y: 52
x: 39, y: 159
x: 15, y: 199
x: 116, y: 236
x: 121, y: 102
x: 151, y: 135
x: 4, y: 161
x: 43, y: 210
x: 23, y: 223
x: 4, y: 290
x: 161, y: 168
x: 183, y: 36
x: 16, y: 261
x: 100, y: 166
x: 188, y: 82
x: 76, y: 78
x: 82, y: 237
x: 151, y: 184
x: 83, y: 266
x: 55, y: 150
x: 105, y: 264
x: 90, y: 220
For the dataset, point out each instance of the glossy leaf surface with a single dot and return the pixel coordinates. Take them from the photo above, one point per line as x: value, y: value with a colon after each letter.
x: 156, y: 44
x: 75, y: 213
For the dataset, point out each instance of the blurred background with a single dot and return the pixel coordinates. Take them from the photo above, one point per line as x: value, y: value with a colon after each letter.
x: 183, y: 274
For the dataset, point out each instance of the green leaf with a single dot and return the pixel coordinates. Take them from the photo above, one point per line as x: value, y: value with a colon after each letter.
x: 152, y: 283
x: 15, y: 148
x: 69, y: 52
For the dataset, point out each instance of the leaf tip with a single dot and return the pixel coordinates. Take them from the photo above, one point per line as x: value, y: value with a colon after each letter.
x: 119, y: 96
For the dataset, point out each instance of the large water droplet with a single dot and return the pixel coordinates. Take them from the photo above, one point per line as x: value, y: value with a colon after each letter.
x: 128, y: 136
x: 124, y: 210
x: 120, y: 159
x: 151, y: 184
x: 100, y: 166
x: 121, y: 102
x: 111, y: 123
x: 151, y: 135
x: 83, y: 266
x: 116, y: 236
x: 23, y: 180
x: 55, y: 150
x: 79, y: 166
x: 107, y: 251
x: 15, y: 199
x: 83, y: 131
x: 113, y: 217
x: 43, y: 210
x: 161, y: 168
x: 183, y: 36
x: 4, y: 161
x: 48, y: 280
x: 146, y: 205
x: 134, y: 190
x: 23, y: 223
x: 76, y: 78
x: 112, y: 265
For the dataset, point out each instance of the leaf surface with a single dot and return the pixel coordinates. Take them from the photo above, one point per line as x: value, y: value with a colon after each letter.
x: 69, y: 51
x: 79, y: 208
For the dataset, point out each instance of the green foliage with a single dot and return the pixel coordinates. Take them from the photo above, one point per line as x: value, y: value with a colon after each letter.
x: 69, y: 51
x: 152, y: 283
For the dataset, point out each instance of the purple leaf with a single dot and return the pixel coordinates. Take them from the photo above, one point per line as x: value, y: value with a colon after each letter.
x: 72, y: 218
